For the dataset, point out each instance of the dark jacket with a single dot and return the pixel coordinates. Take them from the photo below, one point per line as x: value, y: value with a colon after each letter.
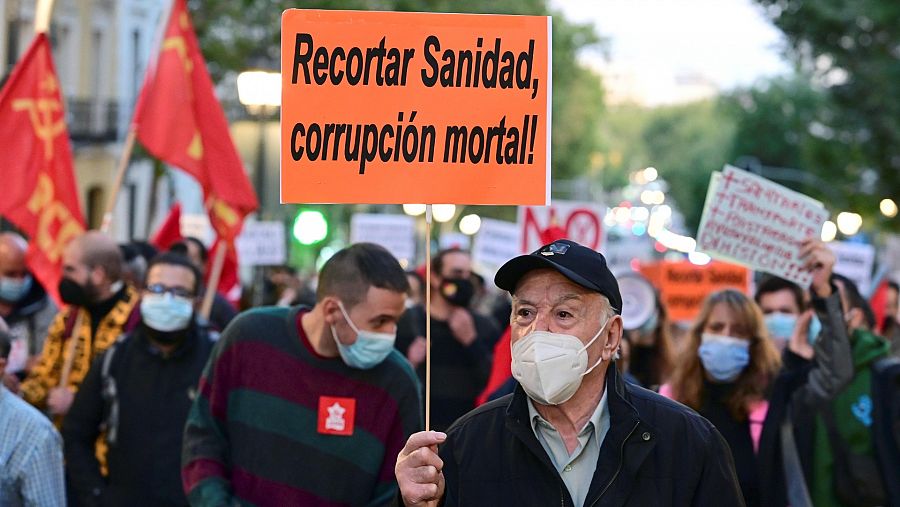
x: 798, y: 393
x: 657, y: 452
x: 154, y: 396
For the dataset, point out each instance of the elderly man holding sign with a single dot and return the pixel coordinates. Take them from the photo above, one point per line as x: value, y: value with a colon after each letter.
x: 574, y: 433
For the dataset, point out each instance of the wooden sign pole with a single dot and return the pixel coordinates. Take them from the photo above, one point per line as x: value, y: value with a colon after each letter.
x: 427, y: 317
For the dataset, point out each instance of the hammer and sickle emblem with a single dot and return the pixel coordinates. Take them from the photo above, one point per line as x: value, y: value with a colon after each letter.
x: 41, y: 112
x: 222, y: 211
x: 179, y: 45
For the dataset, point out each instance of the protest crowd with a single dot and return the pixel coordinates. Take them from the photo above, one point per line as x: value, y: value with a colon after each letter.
x: 141, y: 373
x: 133, y: 398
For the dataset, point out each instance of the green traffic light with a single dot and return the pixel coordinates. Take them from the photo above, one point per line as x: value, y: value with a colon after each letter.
x: 310, y: 227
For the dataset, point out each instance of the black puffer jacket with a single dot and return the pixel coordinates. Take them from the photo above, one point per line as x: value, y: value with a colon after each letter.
x: 657, y: 452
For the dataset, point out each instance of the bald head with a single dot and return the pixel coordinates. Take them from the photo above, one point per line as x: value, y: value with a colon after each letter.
x: 12, y: 255
x: 94, y: 249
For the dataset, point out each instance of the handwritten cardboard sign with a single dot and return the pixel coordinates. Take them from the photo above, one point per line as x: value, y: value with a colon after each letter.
x: 684, y: 286
x: 393, y: 107
x: 752, y: 221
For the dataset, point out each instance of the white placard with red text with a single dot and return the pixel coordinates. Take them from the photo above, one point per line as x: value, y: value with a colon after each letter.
x: 581, y: 221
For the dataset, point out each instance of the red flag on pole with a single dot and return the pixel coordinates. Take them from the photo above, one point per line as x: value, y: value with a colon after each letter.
x: 179, y: 120
x: 169, y: 232
x: 40, y: 196
x: 229, y: 282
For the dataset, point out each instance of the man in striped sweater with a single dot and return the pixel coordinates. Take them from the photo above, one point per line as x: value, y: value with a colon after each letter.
x: 310, y: 407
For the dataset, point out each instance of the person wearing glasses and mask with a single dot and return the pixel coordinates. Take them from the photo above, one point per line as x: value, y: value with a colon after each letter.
x: 572, y: 434
x: 139, y: 392
x: 308, y: 406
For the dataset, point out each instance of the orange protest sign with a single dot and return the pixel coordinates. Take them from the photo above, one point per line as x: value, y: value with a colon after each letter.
x: 393, y: 107
x: 684, y: 286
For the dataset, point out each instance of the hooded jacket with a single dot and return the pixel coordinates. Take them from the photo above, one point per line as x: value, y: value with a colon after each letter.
x: 30, y: 317
x: 657, y: 452
x: 852, y: 411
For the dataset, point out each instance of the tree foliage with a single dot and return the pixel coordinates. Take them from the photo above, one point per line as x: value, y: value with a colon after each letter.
x: 684, y: 142
x: 852, y: 48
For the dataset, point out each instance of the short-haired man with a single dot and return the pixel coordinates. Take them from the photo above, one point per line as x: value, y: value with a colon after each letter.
x: 93, y: 289
x: 573, y: 433
x: 24, y: 305
x: 308, y: 406
x: 461, y: 340
x: 31, y: 459
x: 783, y: 304
x: 140, y: 391
x: 222, y: 311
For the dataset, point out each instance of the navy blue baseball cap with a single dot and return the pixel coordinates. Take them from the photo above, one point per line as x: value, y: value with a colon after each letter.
x: 578, y: 263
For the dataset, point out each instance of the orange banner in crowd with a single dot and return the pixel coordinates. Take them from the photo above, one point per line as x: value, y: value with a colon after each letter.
x: 40, y: 195
x: 683, y: 286
x: 393, y: 107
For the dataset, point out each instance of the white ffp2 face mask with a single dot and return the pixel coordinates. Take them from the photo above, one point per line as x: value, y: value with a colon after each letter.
x: 550, y: 366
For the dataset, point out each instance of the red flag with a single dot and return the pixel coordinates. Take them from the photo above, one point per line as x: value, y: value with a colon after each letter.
x: 229, y: 282
x: 179, y: 120
x: 169, y: 232
x: 40, y: 196
x: 878, y: 302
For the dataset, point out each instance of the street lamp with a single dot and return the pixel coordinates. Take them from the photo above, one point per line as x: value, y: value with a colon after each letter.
x: 444, y: 212
x: 848, y: 223
x: 888, y: 208
x: 260, y: 92
x: 414, y: 209
x: 470, y: 224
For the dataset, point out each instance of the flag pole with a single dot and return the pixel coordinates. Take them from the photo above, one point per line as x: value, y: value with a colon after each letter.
x: 128, y: 148
x: 121, y: 169
x: 427, y: 317
x: 42, y: 14
x: 214, y: 276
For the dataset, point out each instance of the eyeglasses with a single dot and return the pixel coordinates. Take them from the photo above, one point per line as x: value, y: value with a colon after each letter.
x: 160, y: 289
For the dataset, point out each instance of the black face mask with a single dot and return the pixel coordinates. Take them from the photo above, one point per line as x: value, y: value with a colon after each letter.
x: 458, y: 291
x: 72, y: 293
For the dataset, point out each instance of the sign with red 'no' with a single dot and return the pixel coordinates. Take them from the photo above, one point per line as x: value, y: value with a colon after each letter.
x: 581, y: 222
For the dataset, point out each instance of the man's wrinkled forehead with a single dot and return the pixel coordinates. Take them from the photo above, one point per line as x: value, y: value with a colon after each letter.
x: 548, y: 280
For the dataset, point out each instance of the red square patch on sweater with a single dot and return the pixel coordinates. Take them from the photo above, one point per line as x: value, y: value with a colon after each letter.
x: 336, y: 415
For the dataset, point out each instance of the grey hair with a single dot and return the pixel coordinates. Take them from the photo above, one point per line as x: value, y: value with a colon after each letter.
x: 609, y: 312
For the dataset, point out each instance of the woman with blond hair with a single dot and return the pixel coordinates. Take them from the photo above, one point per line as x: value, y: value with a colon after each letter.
x: 725, y: 367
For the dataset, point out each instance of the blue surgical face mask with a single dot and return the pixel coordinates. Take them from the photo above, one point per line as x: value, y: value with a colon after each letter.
x: 815, y: 327
x: 165, y: 312
x: 724, y: 357
x: 369, y: 349
x: 781, y: 325
x: 14, y: 289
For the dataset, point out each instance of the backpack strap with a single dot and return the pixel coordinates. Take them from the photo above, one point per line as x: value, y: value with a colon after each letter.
x: 109, y: 392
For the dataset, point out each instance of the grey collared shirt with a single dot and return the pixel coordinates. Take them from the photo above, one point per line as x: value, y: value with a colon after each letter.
x: 576, y: 469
